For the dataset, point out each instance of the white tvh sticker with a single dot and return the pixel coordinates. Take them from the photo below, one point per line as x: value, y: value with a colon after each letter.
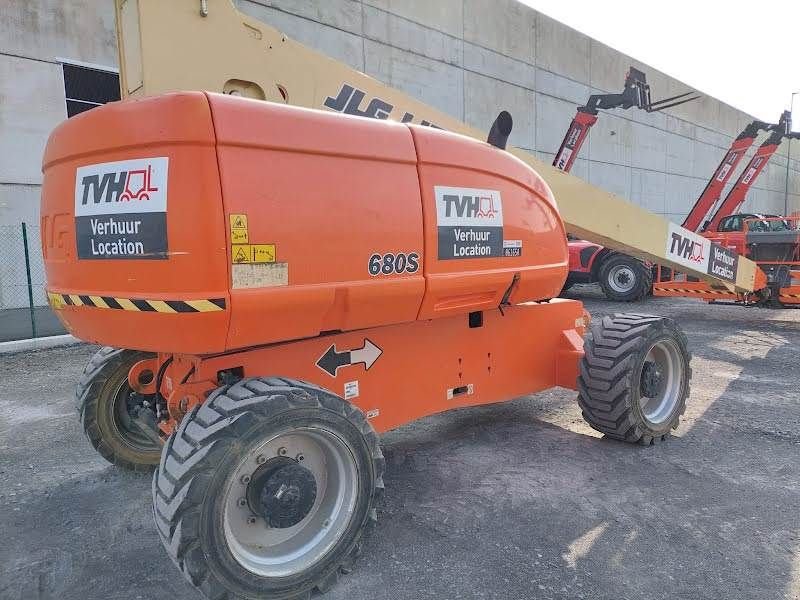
x: 121, y: 210
x: 469, y: 223
x: 687, y: 248
x: 468, y: 207
x: 125, y: 186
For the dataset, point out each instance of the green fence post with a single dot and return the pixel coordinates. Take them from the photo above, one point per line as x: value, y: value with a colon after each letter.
x: 28, y: 274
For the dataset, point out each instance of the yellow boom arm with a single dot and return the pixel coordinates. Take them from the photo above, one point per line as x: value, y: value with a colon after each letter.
x: 209, y: 45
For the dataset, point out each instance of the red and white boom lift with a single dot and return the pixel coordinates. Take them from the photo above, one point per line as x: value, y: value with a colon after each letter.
x: 713, y: 190
x: 622, y: 277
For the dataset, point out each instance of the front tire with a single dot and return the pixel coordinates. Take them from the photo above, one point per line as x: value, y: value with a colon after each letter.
x: 267, y: 489
x: 634, y: 377
x: 103, y: 401
x: 624, y: 279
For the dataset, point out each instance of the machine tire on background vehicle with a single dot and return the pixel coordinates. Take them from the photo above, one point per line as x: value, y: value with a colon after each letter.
x: 267, y: 488
x: 624, y: 278
x: 634, y: 377
x: 103, y: 402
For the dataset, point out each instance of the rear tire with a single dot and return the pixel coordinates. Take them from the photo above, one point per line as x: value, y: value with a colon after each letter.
x: 215, y: 501
x: 634, y: 377
x: 102, y: 401
x: 624, y: 279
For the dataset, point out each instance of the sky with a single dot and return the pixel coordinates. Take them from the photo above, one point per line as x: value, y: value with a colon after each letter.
x: 743, y: 53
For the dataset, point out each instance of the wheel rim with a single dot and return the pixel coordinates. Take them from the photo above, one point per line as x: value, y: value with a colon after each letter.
x: 661, y: 379
x: 621, y: 279
x: 271, y: 551
x: 124, y: 425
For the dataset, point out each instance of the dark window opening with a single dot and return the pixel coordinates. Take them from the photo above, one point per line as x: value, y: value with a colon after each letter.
x: 85, y: 88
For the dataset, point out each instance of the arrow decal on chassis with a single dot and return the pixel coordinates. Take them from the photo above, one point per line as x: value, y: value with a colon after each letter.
x: 331, y: 361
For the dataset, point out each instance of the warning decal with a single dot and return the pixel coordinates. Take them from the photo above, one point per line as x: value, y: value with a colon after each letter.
x: 121, y: 209
x: 238, y: 229
x: 469, y: 221
x: 253, y: 253
x: 241, y: 254
x: 242, y: 251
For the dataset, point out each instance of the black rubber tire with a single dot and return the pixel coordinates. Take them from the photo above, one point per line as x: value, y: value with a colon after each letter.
x: 198, y: 456
x: 96, y: 396
x: 610, y: 376
x: 644, y: 278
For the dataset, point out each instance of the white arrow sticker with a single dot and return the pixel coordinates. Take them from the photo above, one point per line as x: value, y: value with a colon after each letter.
x: 367, y: 355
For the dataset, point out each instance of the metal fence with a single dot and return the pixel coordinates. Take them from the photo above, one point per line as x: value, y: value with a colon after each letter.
x: 24, y: 312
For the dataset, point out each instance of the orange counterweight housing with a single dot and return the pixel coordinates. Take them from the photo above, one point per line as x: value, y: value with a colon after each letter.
x: 201, y: 223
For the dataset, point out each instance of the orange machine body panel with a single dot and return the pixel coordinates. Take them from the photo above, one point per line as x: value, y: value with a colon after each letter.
x: 261, y: 223
x: 398, y: 373
x: 175, y: 130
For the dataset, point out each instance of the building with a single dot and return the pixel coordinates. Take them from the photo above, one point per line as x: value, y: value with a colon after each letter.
x: 470, y: 58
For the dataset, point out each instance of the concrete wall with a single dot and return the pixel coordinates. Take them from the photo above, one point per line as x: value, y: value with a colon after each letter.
x: 470, y: 58
x: 35, y: 35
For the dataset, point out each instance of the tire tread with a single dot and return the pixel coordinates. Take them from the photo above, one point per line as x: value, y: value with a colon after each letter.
x: 181, y: 479
x: 605, y: 378
x: 95, y: 375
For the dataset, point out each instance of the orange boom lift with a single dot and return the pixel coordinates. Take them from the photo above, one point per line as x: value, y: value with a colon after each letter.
x: 294, y: 283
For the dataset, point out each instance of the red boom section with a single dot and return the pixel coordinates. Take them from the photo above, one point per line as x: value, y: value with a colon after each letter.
x: 576, y: 135
x: 747, y: 178
x: 713, y: 190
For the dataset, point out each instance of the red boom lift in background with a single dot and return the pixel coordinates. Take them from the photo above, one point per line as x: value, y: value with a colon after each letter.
x: 622, y: 277
x: 736, y: 197
x: 772, y: 241
x: 713, y: 190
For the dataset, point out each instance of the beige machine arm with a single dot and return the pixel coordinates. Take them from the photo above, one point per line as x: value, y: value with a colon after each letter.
x: 209, y: 45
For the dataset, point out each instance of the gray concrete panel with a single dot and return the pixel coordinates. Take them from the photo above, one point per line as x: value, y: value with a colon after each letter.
x: 339, y: 14
x: 401, y: 33
x: 504, y: 26
x: 499, y: 66
x: 433, y: 82
x: 486, y: 97
x: 446, y: 16
x: 49, y: 30
x: 561, y: 49
x: 612, y: 177
x: 612, y: 140
x: 31, y: 105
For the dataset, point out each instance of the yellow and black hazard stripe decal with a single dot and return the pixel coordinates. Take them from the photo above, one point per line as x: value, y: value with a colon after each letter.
x: 58, y: 301
x: 693, y: 291
x: 790, y: 295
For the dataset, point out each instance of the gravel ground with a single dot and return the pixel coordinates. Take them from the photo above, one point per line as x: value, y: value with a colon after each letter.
x: 518, y: 500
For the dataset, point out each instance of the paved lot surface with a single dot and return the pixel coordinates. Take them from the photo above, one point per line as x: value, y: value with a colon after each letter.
x: 520, y: 500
